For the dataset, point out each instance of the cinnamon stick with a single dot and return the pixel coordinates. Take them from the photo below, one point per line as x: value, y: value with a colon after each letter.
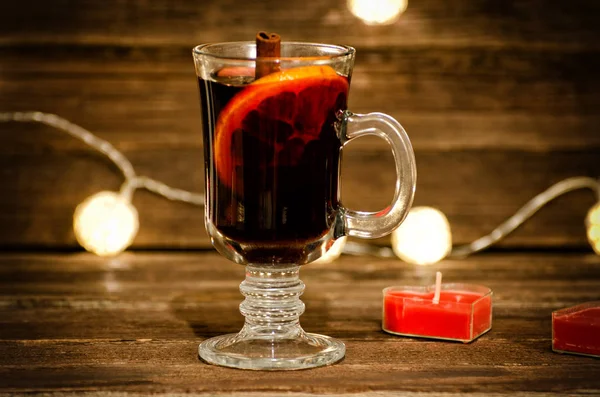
x: 268, y: 51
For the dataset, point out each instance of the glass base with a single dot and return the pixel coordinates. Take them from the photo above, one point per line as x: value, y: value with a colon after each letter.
x: 271, y: 354
x: 272, y: 338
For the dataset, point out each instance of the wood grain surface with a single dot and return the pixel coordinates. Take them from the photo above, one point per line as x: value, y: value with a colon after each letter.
x: 499, y: 99
x: 426, y: 22
x: 81, y: 325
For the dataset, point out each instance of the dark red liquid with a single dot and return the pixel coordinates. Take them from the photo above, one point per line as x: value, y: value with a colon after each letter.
x: 281, y: 191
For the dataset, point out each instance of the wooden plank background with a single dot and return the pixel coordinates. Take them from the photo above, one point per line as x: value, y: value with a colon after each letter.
x: 499, y: 98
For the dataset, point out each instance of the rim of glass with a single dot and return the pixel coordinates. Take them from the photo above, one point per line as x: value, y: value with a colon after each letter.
x: 345, y: 51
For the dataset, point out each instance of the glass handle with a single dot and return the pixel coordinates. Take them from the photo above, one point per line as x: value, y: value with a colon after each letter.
x: 377, y: 224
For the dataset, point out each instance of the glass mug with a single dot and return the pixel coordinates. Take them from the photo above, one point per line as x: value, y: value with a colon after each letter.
x: 272, y: 153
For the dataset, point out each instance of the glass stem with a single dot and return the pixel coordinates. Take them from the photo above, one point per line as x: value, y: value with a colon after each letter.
x: 272, y: 307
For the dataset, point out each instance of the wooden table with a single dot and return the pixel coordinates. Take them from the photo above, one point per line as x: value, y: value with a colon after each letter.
x: 74, y: 323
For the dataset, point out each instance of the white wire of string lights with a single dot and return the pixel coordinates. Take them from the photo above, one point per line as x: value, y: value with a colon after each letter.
x: 106, y: 223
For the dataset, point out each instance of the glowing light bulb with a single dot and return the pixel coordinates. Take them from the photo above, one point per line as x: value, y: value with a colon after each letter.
x: 424, y: 237
x: 592, y: 222
x: 334, y: 251
x: 377, y: 12
x: 105, y: 223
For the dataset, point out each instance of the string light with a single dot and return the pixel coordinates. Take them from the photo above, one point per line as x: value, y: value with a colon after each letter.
x: 527, y: 211
x: 377, y: 12
x: 424, y: 237
x: 592, y: 222
x: 107, y: 222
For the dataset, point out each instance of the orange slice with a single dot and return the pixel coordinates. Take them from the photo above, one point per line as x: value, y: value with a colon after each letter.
x: 283, y: 111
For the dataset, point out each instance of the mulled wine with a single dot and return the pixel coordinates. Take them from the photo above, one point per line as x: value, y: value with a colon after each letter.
x: 272, y: 157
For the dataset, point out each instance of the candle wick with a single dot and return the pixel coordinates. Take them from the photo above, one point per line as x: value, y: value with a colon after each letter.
x: 438, y: 287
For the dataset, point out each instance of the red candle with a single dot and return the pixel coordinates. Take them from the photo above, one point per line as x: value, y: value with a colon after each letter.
x: 576, y: 329
x: 460, y: 312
